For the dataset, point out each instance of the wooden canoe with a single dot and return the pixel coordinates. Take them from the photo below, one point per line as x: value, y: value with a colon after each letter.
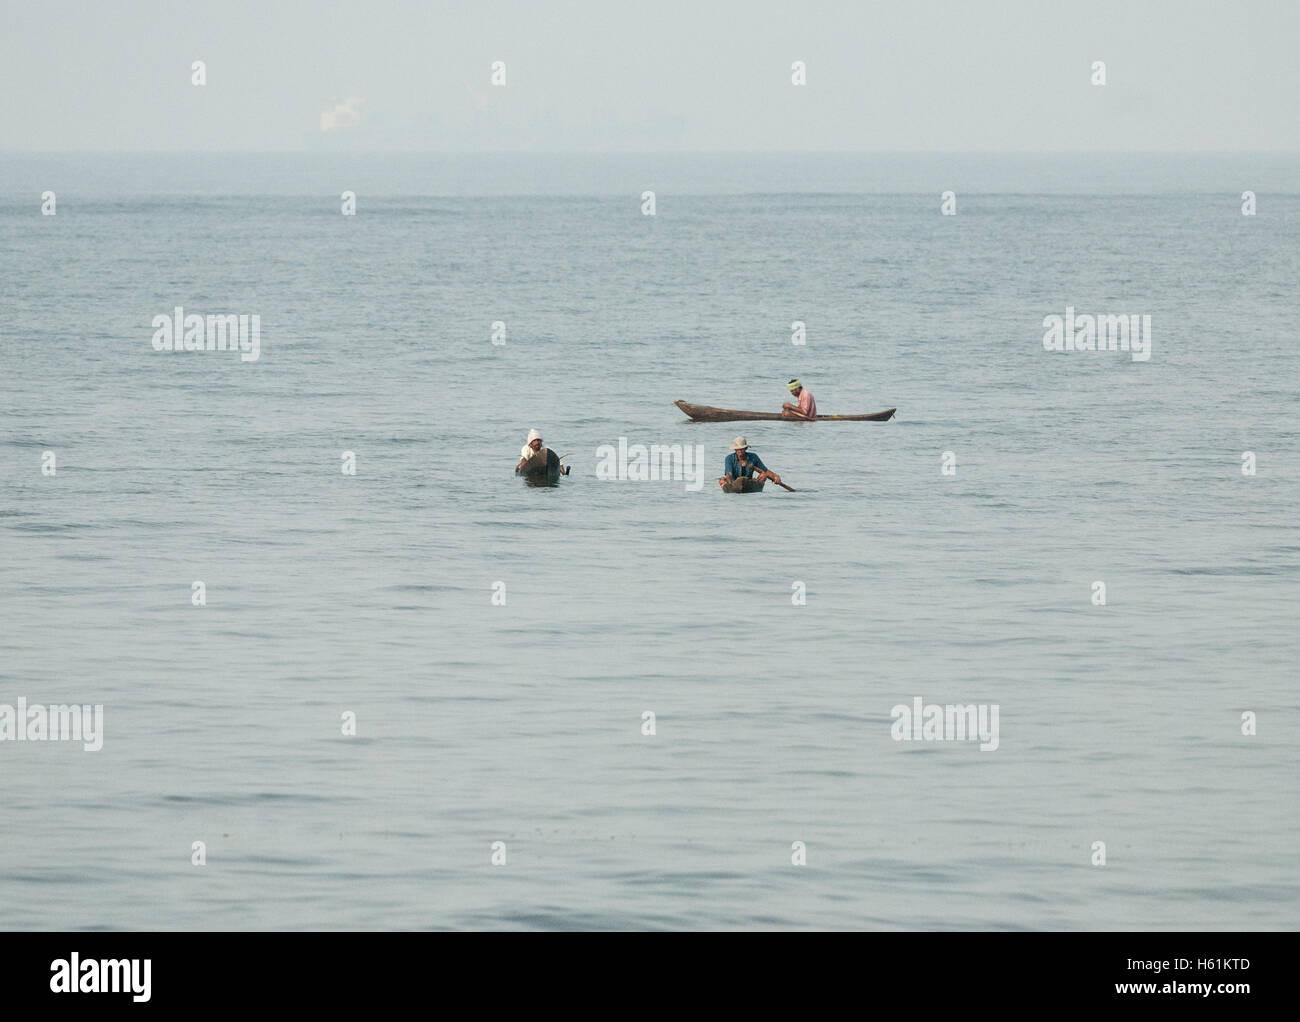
x: 744, y: 485
x: 543, y: 466
x: 705, y: 413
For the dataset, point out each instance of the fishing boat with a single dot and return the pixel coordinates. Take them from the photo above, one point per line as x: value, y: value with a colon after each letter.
x: 744, y: 485
x: 706, y: 413
x: 542, y: 468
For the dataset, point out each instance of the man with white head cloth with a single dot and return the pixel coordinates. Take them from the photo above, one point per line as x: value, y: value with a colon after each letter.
x: 532, y: 447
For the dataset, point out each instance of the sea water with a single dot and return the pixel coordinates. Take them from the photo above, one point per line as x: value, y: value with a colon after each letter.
x: 621, y: 703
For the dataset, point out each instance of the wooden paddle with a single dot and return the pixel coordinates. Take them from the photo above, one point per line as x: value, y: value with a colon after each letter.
x: 790, y: 488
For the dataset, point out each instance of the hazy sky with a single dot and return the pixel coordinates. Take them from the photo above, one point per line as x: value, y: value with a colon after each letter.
x: 931, y: 75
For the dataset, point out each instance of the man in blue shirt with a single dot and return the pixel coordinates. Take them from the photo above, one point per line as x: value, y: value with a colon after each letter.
x: 740, y: 464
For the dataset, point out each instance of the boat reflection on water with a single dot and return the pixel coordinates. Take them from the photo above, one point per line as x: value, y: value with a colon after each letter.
x: 541, y: 479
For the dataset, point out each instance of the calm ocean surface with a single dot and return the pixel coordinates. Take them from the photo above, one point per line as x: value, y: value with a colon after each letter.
x: 477, y: 723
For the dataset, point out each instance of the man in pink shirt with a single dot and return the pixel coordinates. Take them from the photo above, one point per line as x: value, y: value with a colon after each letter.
x: 806, y: 408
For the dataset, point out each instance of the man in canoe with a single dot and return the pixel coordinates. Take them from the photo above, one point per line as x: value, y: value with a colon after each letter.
x: 740, y: 464
x: 536, y: 459
x: 806, y: 408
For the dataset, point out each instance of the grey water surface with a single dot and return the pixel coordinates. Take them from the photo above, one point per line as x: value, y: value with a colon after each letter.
x: 521, y: 723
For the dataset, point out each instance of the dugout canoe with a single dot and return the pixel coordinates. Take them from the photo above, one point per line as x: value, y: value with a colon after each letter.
x: 706, y: 413
x: 542, y: 468
x: 744, y: 486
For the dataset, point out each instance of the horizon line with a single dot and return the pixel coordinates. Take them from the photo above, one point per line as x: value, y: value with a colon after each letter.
x: 331, y: 151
